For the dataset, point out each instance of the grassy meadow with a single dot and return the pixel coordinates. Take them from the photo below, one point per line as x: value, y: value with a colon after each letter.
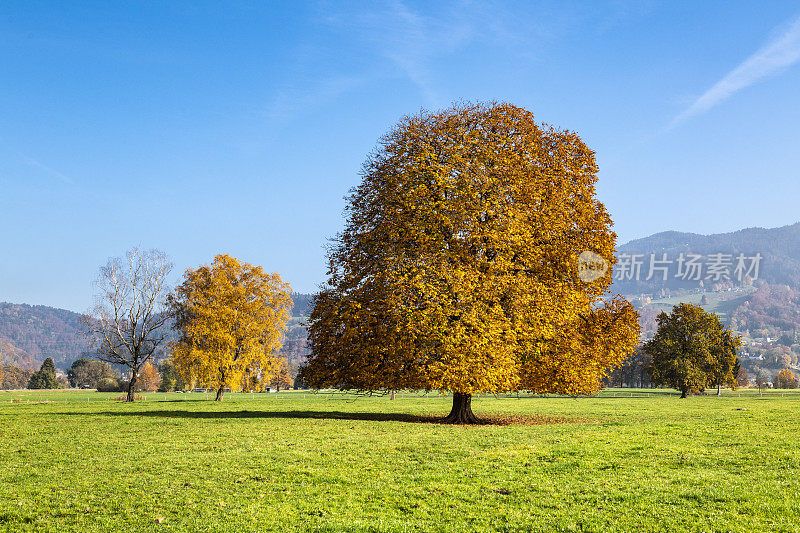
x: 622, y: 460
x: 721, y: 303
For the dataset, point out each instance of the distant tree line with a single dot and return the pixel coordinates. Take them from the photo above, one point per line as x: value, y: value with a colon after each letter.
x: 634, y: 372
x: 13, y: 377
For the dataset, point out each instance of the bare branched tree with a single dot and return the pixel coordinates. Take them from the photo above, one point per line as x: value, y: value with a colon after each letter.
x: 130, y: 319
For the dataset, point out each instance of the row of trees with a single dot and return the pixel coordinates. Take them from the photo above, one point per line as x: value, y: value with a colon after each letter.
x: 458, y: 270
x: 92, y: 374
x: 14, y: 377
x: 475, y: 258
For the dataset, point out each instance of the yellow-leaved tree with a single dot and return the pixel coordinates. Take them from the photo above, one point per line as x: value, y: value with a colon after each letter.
x: 282, y: 379
x: 149, y: 378
x: 459, y: 267
x: 785, y: 379
x: 232, y: 317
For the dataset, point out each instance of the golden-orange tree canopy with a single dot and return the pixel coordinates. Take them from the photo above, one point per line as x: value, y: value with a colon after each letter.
x: 457, y: 269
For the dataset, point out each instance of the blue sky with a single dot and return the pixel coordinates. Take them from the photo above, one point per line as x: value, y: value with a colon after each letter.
x: 201, y: 128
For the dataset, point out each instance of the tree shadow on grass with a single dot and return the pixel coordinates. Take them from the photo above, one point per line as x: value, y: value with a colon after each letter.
x: 488, y: 420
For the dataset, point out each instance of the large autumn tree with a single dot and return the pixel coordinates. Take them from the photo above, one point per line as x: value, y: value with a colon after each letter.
x: 231, y: 317
x: 458, y: 267
x: 692, y: 350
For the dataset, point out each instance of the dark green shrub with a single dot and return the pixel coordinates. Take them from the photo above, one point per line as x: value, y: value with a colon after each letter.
x: 108, y: 385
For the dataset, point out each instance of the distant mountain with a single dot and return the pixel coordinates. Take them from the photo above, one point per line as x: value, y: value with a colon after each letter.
x: 31, y: 333
x: 10, y: 354
x: 302, y: 304
x: 779, y: 249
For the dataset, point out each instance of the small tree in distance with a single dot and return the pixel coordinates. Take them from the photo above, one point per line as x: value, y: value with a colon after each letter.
x: 149, y: 380
x: 785, y: 379
x: 762, y: 380
x: 170, y: 379
x: 45, y: 378
x: 281, y: 379
x: 128, y: 322
x: 692, y: 350
x: 742, y: 377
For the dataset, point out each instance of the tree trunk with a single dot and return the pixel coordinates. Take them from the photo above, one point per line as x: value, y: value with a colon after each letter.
x: 131, y: 388
x: 392, y: 396
x: 221, y: 388
x: 462, y: 410
x: 683, y: 393
x: 719, y: 389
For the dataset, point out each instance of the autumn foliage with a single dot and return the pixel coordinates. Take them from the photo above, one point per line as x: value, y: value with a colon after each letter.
x: 281, y: 378
x: 457, y: 269
x: 785, y: 379
x: 231, y: 316
x: 149, y: 378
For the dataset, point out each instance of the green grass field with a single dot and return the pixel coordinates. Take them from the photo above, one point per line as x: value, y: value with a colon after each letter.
x: 721, y: 303
x: 623, y: 460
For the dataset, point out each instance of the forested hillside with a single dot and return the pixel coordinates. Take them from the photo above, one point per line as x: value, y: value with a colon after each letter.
x: 31, y: 333
x: 764, y: 304
x: 779, y: 249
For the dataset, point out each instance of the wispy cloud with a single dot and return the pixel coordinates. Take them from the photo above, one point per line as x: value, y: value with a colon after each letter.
x: 295, y: 100
x: 413, y: 42
x: 411, y: 49
x: 50, y: 171
x: 774, y: 57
